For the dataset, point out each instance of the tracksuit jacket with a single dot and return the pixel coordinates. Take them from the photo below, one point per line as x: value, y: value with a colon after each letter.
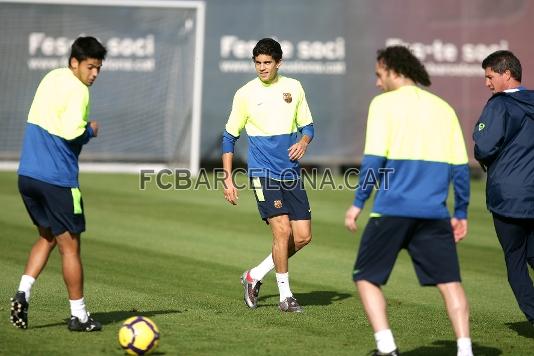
x: 504, y: 145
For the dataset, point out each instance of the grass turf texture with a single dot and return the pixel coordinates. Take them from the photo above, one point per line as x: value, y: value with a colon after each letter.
x: 176, y: 257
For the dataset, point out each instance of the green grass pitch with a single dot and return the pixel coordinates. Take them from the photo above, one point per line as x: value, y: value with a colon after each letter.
x: 176, y: 257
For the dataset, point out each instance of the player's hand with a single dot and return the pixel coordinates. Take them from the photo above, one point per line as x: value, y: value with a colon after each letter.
x: 459, y: 228
x: 94, y: 126
x: 230, y: 191
x: 297, y: 151
x: 350, y: 218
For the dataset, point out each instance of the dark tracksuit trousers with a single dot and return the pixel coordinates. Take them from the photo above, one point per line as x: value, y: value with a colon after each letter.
x: 517, y: 240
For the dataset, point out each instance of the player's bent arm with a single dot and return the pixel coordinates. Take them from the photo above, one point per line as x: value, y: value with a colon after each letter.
x: 298, y: 150
x: 73, y: 113
x: 307, y: 130
x: 95, y: 127
x: 91, y: 130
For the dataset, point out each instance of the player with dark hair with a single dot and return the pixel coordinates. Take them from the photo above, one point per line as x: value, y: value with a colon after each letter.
x: 403, y: 62
x: 501, y: 61
x: 56, y: 130
x: 273, y: 110
x: 414, y: 148
x: 269, y: 47
x: 504, y: 146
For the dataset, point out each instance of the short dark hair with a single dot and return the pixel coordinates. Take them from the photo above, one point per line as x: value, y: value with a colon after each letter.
x: 501, y: 61
x: 269, y: 47
x: 401, y: 60
x: 87, y: 47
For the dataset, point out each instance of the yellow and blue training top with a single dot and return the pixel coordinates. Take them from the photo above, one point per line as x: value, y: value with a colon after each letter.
x: 414, y: 148
x: 56, y: 129
x: 272, y: 115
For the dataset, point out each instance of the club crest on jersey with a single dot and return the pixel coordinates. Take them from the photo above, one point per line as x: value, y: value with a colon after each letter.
x: 288, y: 98
x: 277, y: 204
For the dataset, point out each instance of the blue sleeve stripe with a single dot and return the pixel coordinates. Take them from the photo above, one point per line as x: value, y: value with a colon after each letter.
x: 84, y: 137
x: 370, y: 166
x: 460, y: 181
x: 228, y: 142
x: 307, y: 130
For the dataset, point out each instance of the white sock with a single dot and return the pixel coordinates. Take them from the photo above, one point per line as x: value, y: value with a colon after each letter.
x: 26, y: 283
x: 464, y: 346
x: 77, y: 309
x: 385, y: 342
x: 261, y: 270
x: 282, y: 279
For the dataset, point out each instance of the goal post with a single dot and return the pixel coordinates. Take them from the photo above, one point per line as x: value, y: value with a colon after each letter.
x: 147, y: 98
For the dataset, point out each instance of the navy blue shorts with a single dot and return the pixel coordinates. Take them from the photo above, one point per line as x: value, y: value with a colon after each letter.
x: 276, y: 197
x: 430, y: 244
x: 52, y: 206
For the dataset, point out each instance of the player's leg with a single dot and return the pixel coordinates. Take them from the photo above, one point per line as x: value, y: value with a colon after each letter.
x: 69, y: 248
x: 300, y: 218
x: 515, y: 237
x: 374, y: 303
x: 433, y: 251
x: 299, y: 212
x: 36, y: 262
x: 458, y: 311
x: 40, y: 252
x: 269, y: 201
x: 67, y: 220
x: 32, y: 195
x: 281, y: 230
x: 301, y: 235
x: 381, y: 242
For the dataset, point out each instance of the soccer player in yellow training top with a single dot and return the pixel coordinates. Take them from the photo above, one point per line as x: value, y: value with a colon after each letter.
x: 415, y: 146
x: 56, y: 130
x: 273, y: 110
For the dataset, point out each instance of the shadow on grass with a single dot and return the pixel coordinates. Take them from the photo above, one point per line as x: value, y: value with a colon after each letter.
x: 313, y: 298
x: 114, y: 316
x: 522, y: 328
x: 447, y: 348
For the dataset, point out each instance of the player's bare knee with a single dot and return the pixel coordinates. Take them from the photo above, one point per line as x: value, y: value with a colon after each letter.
x: 281, y: 232
x: 68, y: 248
x: 303, y: 240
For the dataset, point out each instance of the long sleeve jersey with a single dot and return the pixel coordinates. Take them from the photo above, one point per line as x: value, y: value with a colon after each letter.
x: 272, y: 115
x: 56, y: 130
x: 414, y: 148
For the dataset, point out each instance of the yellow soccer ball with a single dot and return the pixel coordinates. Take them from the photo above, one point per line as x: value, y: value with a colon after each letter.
x: 138, y: 335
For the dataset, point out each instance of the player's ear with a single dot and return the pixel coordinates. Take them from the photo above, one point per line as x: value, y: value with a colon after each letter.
x: 507, y: 74
x: 74, y: 63
x: 278, y: 64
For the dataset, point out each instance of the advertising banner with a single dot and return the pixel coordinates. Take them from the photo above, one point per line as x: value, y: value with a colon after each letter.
x: 147, y: 96
x: 330, y: 46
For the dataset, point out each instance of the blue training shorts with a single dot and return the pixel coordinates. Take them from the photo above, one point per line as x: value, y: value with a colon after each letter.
x: 52, y: 206
x: 430, y: 244
x: 276, y: 198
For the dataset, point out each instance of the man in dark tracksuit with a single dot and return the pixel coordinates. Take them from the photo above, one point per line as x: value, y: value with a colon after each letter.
x: 504, y: 145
